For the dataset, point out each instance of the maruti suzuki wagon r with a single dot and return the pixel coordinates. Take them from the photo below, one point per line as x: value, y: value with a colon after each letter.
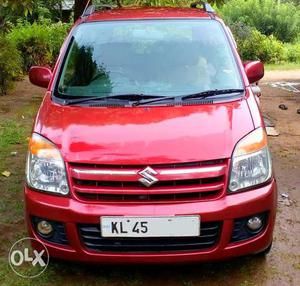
x: 149, y: 145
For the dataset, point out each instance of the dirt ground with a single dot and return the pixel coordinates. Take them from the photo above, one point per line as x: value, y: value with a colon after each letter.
x: 282, y: 75
x: 281, y: 267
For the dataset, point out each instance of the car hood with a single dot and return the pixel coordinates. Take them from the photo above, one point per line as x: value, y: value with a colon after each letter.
x: 144, y: 135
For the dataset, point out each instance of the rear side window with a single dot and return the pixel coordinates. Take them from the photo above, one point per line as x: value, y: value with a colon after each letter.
x: 158, y: 57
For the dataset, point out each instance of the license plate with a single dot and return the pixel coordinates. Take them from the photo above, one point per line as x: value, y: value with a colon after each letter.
x: 167, y: 226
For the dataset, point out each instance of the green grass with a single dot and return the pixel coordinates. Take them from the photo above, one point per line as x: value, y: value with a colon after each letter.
x: 11, y: 133
x: 14, y: 129
x: 282, y: 67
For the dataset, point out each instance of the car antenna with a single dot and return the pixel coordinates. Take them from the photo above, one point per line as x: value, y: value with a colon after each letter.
x: 205, y: 6
x: 91, y: 8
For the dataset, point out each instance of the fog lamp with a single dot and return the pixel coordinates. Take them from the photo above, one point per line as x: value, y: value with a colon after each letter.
x: 44, y: 228
x: 254, y: 223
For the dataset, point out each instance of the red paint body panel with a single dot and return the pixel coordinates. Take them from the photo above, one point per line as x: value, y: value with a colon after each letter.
x: 155, y: 135
x: 227, y: 208
x: 255, y: 112
x: 147, y: 13
x: 141, y: 136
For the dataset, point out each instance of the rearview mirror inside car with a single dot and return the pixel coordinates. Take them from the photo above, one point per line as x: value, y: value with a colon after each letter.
x: 40, y: 76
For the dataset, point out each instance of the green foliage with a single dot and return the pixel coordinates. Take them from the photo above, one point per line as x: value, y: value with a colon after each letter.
x: 253, y: 45
x: 292, y: 52
x: 10, y: 63
x: 12, y: 9
x: 47, y: 9
x: 24, y: 6
x: 155, y: 2
x: 262, y: 47
x: 268, y: 17
x: 39, y: 43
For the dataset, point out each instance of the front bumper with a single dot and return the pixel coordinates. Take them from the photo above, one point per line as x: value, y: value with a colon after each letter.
x: 71, y: 213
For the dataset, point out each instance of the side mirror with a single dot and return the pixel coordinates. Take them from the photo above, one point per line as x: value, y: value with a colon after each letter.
x: 254, y: 71
x: 40, y: 76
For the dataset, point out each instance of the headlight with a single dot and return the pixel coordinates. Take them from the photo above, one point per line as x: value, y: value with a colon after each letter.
x: 251, y: 162
x: 45, y: 167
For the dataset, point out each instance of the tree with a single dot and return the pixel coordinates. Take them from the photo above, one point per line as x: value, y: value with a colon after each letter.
x: 51, y: 9
x: 79, y: 8
x: 13, y: 7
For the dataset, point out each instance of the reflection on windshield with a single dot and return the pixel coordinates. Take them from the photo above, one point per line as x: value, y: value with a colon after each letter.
x: 158, y: 57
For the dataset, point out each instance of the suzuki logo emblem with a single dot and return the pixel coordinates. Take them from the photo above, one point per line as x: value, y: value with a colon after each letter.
x: 148, y: 178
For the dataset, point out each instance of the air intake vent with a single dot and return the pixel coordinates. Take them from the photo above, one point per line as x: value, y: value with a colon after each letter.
x: 92, y: 240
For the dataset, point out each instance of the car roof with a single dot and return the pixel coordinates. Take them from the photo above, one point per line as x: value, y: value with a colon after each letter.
x: 134, y: 13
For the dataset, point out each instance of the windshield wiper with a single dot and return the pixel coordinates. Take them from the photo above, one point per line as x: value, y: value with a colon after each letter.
x: 129, y: 96
x: 199, y: 95
x: 141, y: 99
x: 209, y: 93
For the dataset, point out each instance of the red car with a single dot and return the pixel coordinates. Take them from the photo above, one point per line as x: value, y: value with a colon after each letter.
x: 149, y: 145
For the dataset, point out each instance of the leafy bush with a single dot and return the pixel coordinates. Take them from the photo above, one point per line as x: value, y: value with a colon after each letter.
x: 10, y: 63
x: 39, y: 43
x: 268, y: 17
x: 253, y: 45
x: 292, y: 52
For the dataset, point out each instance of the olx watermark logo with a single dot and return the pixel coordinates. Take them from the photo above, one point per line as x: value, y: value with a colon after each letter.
x: 27, y: 261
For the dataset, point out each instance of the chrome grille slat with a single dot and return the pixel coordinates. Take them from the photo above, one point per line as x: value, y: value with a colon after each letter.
x: 175, y: 182
x: 175, y: 165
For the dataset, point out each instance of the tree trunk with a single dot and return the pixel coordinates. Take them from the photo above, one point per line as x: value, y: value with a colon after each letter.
x: 79, y: 8
x: 2, y: 25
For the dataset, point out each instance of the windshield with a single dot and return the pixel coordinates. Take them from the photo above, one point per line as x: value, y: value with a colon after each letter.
x: 152, y: 57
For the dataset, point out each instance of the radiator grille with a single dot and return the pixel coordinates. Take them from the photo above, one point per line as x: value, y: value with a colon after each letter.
x: 175, y: 182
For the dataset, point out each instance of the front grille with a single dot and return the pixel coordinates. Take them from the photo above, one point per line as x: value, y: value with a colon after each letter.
x: 148, y: 197
x: 91, y: 238
x: 175, y: 182
x: 137, y: 184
